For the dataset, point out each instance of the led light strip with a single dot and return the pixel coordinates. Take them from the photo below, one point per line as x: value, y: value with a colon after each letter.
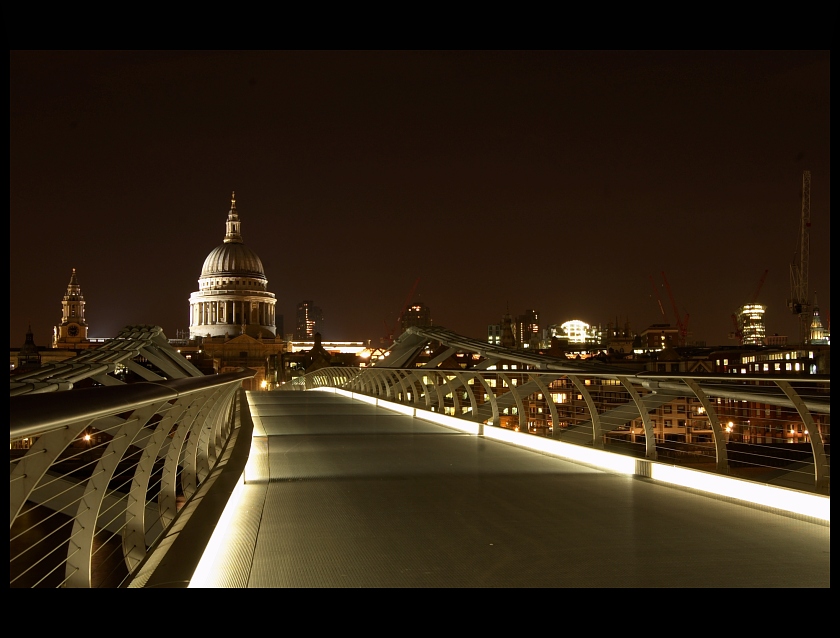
x: 203, y: 575
x: 794, y: 501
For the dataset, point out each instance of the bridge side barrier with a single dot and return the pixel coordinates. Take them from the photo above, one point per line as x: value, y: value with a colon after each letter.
x: 100, y: 475
x: 767, y: 430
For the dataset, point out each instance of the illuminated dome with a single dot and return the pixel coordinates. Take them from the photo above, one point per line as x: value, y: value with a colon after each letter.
x: 232, y: 259
x: 232, y: 296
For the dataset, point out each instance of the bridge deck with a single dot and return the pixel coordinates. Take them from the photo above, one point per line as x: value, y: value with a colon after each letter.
x: 358, y: 496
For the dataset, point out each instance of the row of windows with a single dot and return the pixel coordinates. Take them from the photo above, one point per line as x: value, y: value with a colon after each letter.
x: 233, y: 282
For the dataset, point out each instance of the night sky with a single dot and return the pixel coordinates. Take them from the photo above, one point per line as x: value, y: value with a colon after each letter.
x: 559, y: 181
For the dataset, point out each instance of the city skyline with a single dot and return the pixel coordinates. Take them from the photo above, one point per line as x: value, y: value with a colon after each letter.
x: 559, y: 181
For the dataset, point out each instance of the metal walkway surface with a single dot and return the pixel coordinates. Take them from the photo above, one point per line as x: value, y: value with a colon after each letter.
x: 341, y: 493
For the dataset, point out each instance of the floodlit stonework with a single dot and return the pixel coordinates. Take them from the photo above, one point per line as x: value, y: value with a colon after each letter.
x: 232, y: 297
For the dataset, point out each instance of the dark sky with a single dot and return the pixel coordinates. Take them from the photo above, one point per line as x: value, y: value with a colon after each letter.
x: 559, y: 181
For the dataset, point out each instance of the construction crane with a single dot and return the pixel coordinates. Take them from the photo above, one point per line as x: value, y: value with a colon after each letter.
x: 658, y: 300
x: 799, y: 302
x: 754, y: 298
x: 390, y: 332
x: 682, y: 324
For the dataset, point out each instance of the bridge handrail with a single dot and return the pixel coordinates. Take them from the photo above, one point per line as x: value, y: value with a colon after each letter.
x: 36, y: 414
x: 615, y: 407
x: 140, y: 449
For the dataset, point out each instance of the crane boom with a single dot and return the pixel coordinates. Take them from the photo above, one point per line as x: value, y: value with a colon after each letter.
x: 407, y: 302
x: 392, y: 332
x: 799, y: 302
x: 758, y: 288
x: 682, y: 325
x: 658, y: 300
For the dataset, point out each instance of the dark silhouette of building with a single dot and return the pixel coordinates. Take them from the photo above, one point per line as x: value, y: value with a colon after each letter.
x: 417, y: 314
x: 29, y: 358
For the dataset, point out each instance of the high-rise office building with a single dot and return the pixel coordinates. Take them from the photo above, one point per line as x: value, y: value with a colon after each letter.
x: 751, y: 324
x: 417, y: 314
x: 310, y: 319
x: 527, y: 328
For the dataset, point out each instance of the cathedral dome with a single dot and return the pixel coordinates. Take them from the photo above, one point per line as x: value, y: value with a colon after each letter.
x: 233, y: 296
x: 232, y: 259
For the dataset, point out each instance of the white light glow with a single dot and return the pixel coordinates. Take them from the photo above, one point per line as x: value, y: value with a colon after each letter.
x: 758, y: 493
x: 398, y: 407
x: 203, y: 575
x: 803, y: 503
x: 598, y: 458
x: 364, y: 398
x: 461, y: 425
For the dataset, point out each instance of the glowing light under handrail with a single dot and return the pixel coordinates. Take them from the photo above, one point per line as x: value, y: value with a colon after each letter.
x: 793, y: 501
x: 204, y: 572
x: 757, y: 493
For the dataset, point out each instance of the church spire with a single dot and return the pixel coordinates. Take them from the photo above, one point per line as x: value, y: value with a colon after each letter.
x: 74, y: 291
x: 233, y: 232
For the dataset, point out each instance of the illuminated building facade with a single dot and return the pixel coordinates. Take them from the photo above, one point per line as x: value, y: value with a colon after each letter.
x: 233, y: 297
x: 310, y: 320
x: 658, y: 336
x: 69, y: 338
x: 527, y: 329
x: 819, y: 335
x: 72, y: 332
x: 576, y: 331
x: 751, y: 324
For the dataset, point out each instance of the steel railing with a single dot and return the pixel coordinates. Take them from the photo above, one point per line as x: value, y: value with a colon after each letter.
x: 772, y: 430
x: 102, y: 479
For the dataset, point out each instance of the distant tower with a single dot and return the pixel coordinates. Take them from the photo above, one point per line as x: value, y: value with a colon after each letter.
x: 751, y: 324
x: 819, y: 335
x: 418, y: 315
x: 508, y: 338
x: 29, y: 358
x: 528, y: 329
x: 310, y: 319
x: 73, y: 328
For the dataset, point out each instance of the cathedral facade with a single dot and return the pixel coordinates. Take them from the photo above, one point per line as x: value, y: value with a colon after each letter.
x: 232, y: 297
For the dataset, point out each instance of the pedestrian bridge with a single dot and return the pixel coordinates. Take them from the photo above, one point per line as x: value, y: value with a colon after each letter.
x: 352, y: 480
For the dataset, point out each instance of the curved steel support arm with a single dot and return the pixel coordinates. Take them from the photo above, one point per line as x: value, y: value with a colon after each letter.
x: 597, y: 430
x: 650, y: 436
x: 720, y: 438
x: 821, y: 477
